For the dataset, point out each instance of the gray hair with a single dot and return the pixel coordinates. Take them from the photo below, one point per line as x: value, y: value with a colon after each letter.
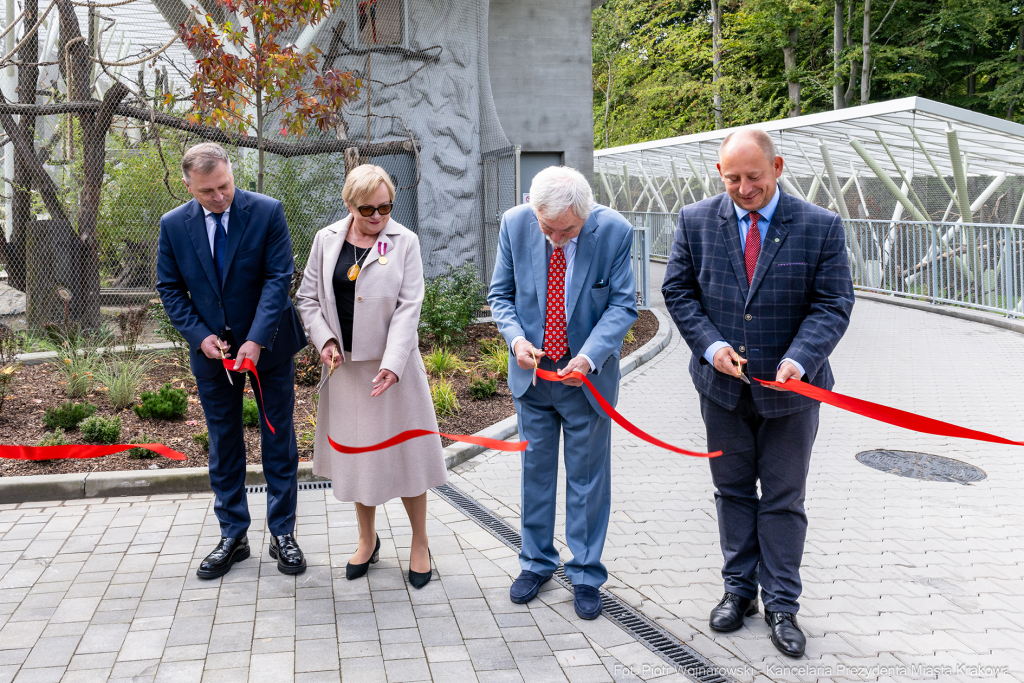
x: 763, y: 140
x: 202, y: 159
x: 558, y: 188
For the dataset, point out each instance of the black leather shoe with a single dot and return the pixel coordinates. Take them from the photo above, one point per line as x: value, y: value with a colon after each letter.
x: 786, y: 635
x: 525, y: 587
x: 587, y: 602
x: 421, y: 579
x: 728, y: 615
x: 227, y: 552
x: 288, y: 554
x: 354, y: 571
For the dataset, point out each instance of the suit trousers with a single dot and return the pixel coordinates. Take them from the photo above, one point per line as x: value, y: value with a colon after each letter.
x: 222, y: 403
x: 544, y: 412
x: 762, y: 537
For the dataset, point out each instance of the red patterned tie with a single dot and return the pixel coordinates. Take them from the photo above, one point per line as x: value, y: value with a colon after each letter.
x: 555, y: 341
x: 753, y: 247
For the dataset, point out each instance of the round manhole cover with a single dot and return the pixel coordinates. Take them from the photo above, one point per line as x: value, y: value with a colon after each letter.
x: 922, y: 466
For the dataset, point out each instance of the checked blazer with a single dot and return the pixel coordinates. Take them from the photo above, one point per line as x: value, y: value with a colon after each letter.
x: 798, y: 304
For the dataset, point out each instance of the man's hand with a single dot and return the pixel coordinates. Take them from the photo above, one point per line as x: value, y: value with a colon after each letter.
x: 525, y: 354
x: 578, y: 364
x: 212, y: 347
x: 384, y: 379
x: 250, y: 350
x: 728, y: 361
x: 330, y: 356
x: 787, y: 371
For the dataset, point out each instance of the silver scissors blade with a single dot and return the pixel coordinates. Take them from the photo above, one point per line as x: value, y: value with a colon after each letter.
x: 535, y: 366
x: 742, y: 376
x: 226, y: 371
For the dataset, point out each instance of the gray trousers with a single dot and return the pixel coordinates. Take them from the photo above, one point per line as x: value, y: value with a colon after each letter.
x: 762, y: 537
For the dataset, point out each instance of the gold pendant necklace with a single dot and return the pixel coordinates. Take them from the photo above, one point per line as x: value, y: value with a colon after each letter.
x: 353, y: 271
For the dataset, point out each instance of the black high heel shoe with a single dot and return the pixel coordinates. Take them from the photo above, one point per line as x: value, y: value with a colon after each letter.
x: 354, y: 571
x: 421, y: 579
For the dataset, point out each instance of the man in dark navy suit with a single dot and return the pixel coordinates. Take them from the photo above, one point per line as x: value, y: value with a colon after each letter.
x: 224, y: 272
x: 759, y: 285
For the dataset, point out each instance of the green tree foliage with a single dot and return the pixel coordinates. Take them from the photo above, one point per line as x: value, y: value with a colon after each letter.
x: 656, y: 56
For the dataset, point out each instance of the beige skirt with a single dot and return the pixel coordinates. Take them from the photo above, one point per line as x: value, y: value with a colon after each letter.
x: 353, y: 418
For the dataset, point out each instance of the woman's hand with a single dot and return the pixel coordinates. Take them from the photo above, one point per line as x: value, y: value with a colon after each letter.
x: 330, y: 355
x: 384, y: 379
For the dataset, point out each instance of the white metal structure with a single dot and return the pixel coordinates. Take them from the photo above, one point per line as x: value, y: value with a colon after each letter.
x: 868, y: 154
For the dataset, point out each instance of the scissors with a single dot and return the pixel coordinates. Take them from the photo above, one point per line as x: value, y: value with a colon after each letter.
x: 330, y: 371
x: 741, y: 375
x: 223, y: 357
x: 535, y: 365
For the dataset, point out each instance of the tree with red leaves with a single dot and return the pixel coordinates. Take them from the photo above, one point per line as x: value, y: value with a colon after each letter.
x: 246, y: 73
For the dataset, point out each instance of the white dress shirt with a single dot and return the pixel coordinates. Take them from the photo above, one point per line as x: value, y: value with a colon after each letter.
x: 570, y: 260
x: 211, y: 225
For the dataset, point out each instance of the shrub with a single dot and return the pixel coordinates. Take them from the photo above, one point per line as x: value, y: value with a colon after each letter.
x: 440, y: 362
x: 131, y: 325
x: 450, y: 304
x: 203, y: 440
x: 250, y: 413
x: 57, y: 438
x: 494, y: 357
x: 630, y: 336
x: 68, y: 415
x: 100, y: 429
x: 78, y: 355
x: 307, y: 367
x: 166, y: 404
x: 445, y: 400
x: 166, y: 331
x: 482, y: 387
x: 142, y: 453
x: 11, y: 344
x: 122, y: 376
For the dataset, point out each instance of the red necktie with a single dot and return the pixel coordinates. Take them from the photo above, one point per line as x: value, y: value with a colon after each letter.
x: 555, y: 341
x: 753, y: 247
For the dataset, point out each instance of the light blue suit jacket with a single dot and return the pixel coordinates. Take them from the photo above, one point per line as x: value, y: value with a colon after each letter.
x: 602, y: 300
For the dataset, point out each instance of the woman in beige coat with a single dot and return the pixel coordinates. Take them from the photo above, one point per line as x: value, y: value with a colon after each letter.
x: 360, y: 302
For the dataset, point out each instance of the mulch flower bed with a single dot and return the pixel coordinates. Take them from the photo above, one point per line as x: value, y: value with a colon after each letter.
x: 38, y: 387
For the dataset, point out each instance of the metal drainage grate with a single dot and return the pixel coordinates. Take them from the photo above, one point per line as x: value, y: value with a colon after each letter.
x: 922, y: 466
x: 684, y: 658
x: 303, y: 486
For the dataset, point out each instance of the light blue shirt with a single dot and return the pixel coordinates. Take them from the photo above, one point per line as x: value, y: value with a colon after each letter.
x: 570, y: 260
x: 211, y: 224
x: 743, y: 219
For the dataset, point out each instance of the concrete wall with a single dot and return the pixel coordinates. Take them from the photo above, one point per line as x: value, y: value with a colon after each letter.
x: 540, y: 63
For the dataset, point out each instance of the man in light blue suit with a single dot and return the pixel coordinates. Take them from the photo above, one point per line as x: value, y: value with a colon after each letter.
x: 563, y: 282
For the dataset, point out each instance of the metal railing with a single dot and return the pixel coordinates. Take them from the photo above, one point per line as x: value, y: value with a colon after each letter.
x: 660, y: 228
x: 977, y: 265
x: 641, y: 256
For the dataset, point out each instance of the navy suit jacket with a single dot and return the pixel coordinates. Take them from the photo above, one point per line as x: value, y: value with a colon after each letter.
x: 254, y: 299
x: 798, y: 304
x: 601, y: 301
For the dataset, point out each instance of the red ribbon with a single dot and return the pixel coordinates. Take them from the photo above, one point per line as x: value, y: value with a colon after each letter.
x: 893, y: 416
x: 247, y: 364
x: 415, y: 433
x: 619, y: 420
x: 81, y: 451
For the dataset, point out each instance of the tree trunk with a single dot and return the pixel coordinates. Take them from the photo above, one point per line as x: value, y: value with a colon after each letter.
x: 607, y: 101
x: 789, y: 59
x: 971, y: 80
x: 716, y: 58
x: 854, y: 64
x: 1020, y: 66
x: 259, y: 140
x: 838, y: 98
x: 21, y: 190
x: 865, y: 72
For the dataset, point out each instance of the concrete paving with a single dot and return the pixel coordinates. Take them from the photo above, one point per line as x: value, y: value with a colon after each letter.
x: 903, y: 579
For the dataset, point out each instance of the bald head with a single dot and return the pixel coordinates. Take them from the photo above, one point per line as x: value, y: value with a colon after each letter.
x: 750, y: 168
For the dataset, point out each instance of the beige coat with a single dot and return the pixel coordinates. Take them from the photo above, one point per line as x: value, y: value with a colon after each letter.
x: 385, y: 335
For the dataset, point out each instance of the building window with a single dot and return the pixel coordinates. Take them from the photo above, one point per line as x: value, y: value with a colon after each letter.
x: 381, y: 22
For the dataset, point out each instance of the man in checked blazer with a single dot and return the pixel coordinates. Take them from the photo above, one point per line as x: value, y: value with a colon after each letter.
x: 759, y: 285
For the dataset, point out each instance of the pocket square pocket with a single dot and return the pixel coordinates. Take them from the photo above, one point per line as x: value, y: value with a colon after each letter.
x: 784, y: 265
x: 601, y: 285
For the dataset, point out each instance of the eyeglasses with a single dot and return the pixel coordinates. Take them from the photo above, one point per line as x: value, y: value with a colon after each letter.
x: 367, y: 211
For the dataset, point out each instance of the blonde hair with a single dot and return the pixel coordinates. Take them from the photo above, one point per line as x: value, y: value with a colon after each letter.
x: 363, y: 181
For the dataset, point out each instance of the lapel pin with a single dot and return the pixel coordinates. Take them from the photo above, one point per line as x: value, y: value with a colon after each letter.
x: 776, y: 239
